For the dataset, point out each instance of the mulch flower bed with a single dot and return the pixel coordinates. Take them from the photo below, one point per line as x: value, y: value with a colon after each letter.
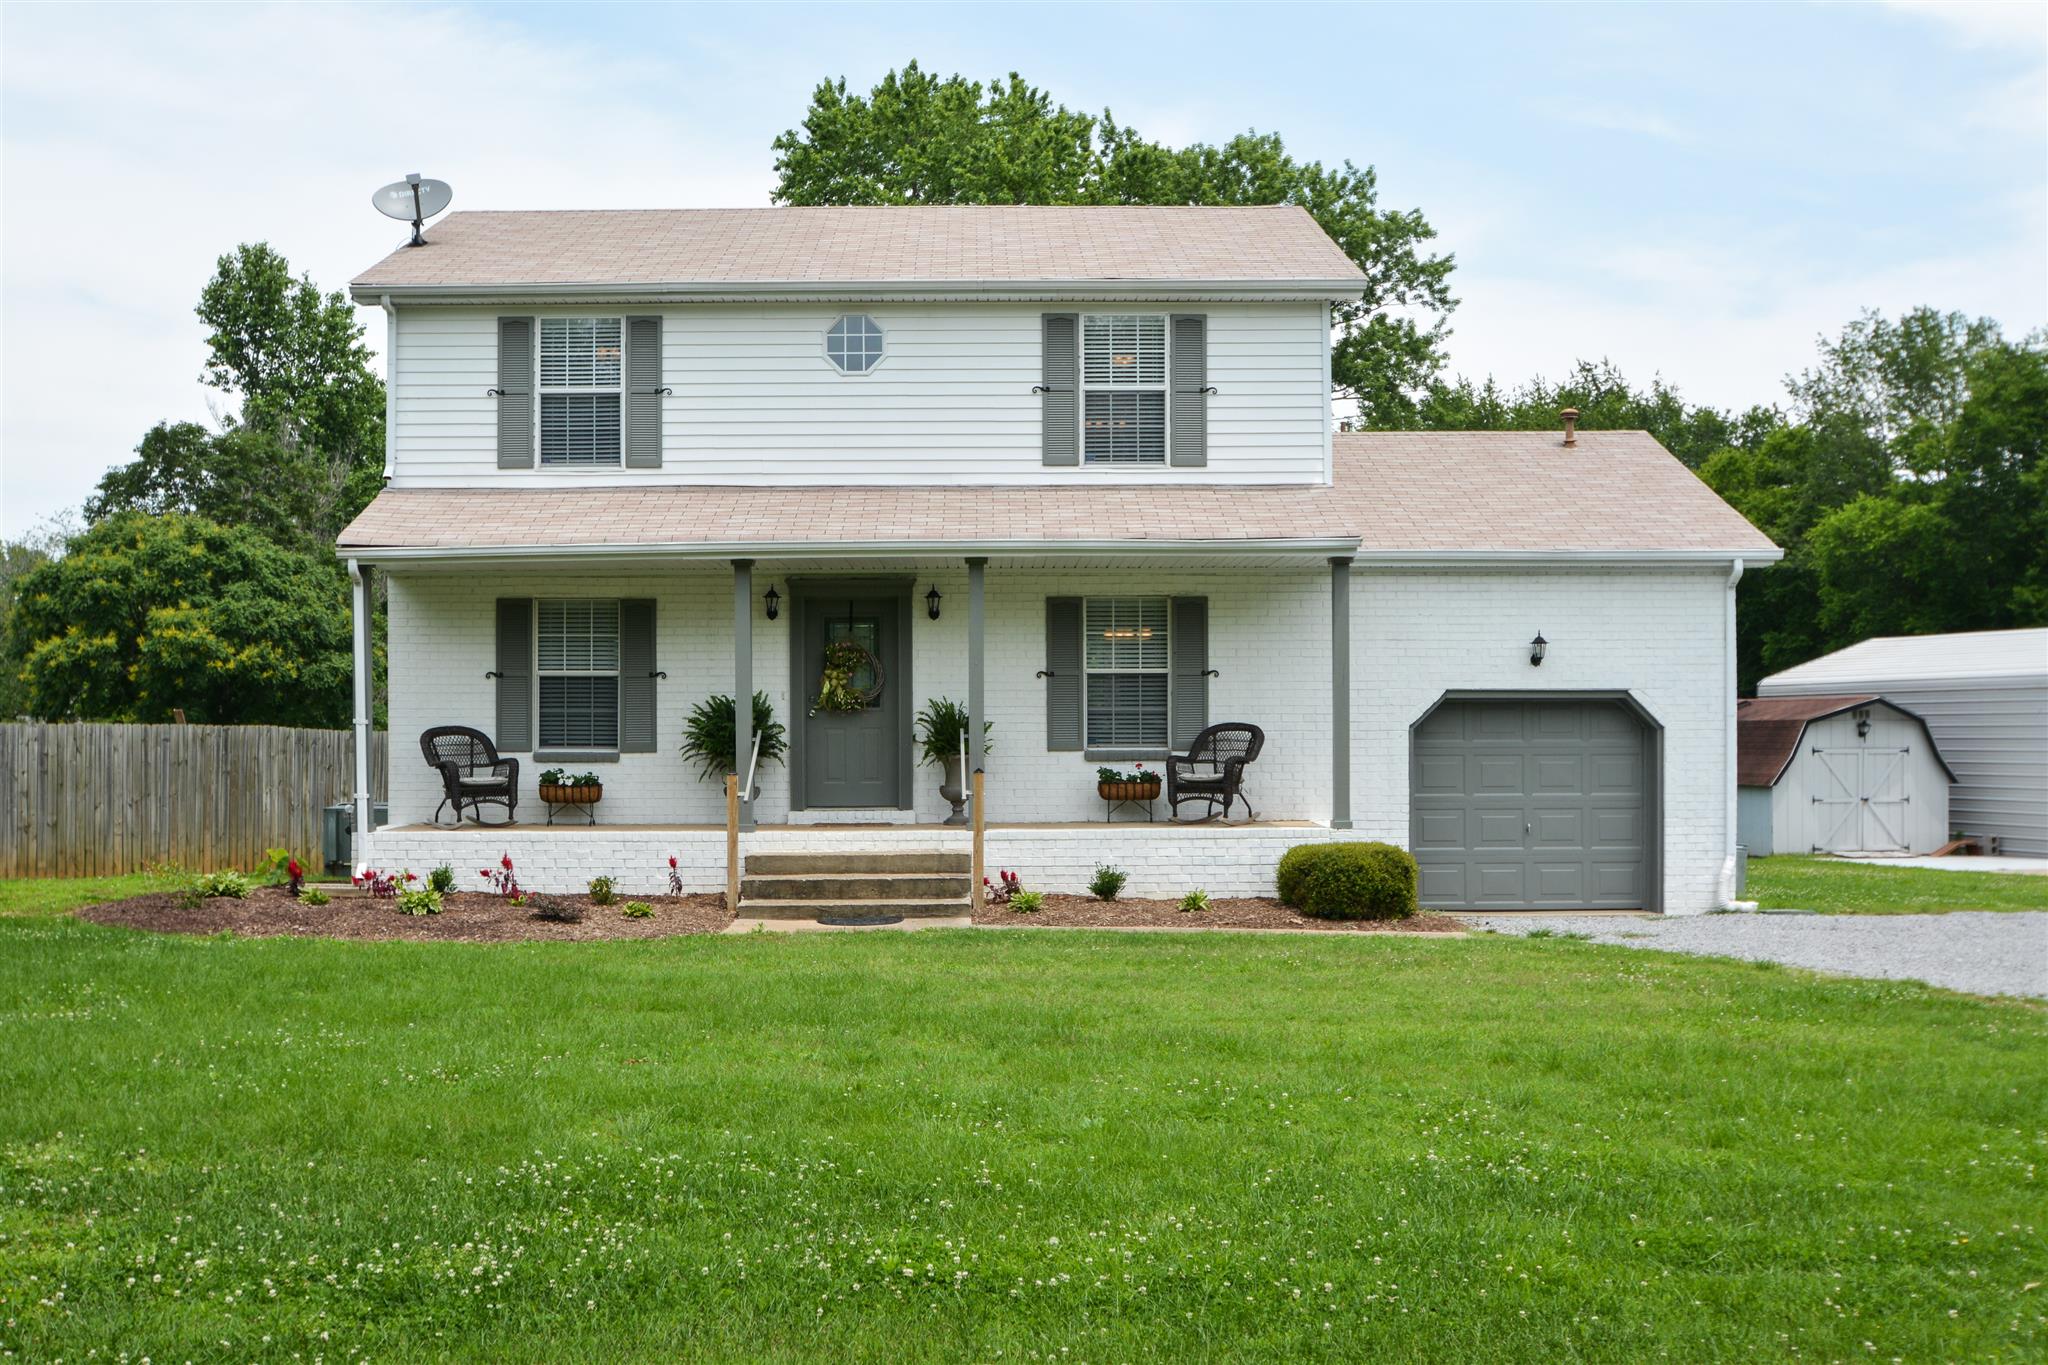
x: 1259, y: 912
x: 466, y: 917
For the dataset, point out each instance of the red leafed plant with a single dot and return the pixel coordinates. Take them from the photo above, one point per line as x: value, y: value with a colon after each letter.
x: 675, y: 877
x: 381, y: 885
x: 502, y: 880
x: 296, y: 876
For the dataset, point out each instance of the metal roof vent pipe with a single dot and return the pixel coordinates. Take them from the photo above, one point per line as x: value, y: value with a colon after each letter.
x: 1571, y: 426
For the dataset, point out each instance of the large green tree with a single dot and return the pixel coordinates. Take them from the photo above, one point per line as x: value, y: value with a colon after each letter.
x: 146, y: 615
x: 918, y: 138
x: 304, y: 450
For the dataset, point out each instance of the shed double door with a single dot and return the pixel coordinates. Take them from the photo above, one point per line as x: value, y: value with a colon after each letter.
x: 1531, y: 805
x: 1859, y: 799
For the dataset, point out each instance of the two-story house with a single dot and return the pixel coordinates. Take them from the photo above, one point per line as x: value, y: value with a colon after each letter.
x: 1073, y: 467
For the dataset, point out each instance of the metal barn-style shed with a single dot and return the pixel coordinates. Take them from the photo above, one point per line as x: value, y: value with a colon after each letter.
x: 1984, y: 696
x: 1838, y: 774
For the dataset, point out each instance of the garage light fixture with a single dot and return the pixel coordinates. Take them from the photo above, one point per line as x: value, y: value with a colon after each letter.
x: 1538, y: 647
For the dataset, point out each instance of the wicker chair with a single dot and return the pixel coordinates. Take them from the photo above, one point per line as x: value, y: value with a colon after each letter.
x: 1212, y: 770
x: 472, y: 774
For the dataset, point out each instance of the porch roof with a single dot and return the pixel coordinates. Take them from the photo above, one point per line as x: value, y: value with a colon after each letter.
x: 1427, y: 496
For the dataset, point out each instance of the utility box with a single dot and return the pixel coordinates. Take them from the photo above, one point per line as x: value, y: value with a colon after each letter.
x: 337, y: 831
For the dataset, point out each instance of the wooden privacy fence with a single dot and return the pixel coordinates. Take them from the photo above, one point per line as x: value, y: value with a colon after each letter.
x: 88, y: 800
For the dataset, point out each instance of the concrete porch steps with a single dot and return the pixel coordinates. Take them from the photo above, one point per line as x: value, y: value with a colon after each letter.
x: 912, y: 883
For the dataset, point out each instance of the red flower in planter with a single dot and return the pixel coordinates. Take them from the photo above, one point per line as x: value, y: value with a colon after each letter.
x: 506, y: 862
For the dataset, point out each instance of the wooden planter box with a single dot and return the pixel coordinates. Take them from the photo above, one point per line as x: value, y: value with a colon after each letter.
x: 1128, y: 791
x: 571, y: 796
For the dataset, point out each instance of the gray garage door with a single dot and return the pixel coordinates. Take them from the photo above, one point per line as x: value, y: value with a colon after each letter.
x: 1531, y: 805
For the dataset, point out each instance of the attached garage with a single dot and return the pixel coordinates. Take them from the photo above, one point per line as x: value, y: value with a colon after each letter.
x: 1850, y: 773
x: 1535, y: 803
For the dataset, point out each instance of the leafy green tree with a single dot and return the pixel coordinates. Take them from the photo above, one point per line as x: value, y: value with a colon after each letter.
x: 917, y: 138
x: 145, y: 615
x: 18, y: 558
x: 304, y: 452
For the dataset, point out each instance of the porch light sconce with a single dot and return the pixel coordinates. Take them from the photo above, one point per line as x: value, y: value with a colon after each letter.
x: 772, y: 600
x: 1863, y: 725
x: 931, y: 602
x: 1538, y: 647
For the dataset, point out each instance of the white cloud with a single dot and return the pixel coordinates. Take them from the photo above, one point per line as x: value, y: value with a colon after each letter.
x: 2009, y: 24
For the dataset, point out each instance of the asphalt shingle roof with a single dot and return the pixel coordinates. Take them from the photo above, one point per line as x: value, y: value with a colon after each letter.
x: 1422, y: 492
x: 1271, y: 244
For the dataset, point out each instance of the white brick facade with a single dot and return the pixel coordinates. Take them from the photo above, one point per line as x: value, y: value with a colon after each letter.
x: 1656, y: 634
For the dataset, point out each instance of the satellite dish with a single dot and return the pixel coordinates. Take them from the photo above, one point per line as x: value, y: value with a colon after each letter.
x: 413, y: 200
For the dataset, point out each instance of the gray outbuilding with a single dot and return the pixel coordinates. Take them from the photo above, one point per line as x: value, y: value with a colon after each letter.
x: 1984, y: 698
x: 1847, y: 773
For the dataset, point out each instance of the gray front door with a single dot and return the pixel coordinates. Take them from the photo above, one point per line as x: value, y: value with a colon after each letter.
x: 852, y: 758
x: 1531, y: 805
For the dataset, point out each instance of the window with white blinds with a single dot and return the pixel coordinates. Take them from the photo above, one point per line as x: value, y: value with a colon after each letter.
x: 1125, y: 655
x: 581, y: 369
x: 1123, y: 384
x: 577, y: 649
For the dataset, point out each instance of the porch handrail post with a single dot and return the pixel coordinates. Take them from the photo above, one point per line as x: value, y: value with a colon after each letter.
x: 359, y: 583
x: 743, y: 678
x: 1340, y: 692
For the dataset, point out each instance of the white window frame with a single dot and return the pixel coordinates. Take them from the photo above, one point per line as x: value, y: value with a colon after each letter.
x: 541, y: 393
x: 1165, y: 670
x: 882, y: 339
x: 540, y: 673
x: 1164, y: 389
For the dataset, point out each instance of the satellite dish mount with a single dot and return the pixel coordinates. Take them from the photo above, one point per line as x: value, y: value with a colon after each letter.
x: 415, y: 199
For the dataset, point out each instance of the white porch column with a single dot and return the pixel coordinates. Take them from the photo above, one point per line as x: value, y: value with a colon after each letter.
x: 743, y: 682
x: 1340, y: 692
x: 976, y: 704
x: 359, y: 582
x: 1729, y: 895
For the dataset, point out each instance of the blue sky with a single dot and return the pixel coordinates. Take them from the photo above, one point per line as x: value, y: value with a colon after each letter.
x: 1693, y: 190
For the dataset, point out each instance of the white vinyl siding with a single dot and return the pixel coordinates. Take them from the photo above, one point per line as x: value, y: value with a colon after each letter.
x: 581, y: 362
x: 577, y: 653
x: 1123, y: 388
x: 756, y: 400
x: 1125, y: 654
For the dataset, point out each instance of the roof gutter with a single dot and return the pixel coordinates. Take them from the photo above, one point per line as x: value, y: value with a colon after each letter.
x: 868, y: 549
x: 1568, y: 559
x: 726, y: 291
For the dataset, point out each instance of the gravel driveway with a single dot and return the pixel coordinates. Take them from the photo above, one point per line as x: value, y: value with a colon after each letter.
x: 1978, y: 951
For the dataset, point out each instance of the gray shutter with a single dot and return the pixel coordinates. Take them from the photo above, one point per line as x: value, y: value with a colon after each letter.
x: 1189, y: 637
x: 515, y: 675
x: 1064, y: 684
x: 515, y: 394
x: 1188, y: 441
x: 1059, y: 400
x: 643, y: 393
x: 636, y: 675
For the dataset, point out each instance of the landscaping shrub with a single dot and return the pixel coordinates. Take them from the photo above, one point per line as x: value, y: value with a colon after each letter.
x: 1194, y: 901
x: 1027, y: 902
x: 419, y: 900
x: 227, y: 883
x: 637, y: 910
x: 1348, y: 881
x: 601, y: 891
x: 1108, y: 882
x: 441, y: 880
x: 555, y: 911
x: 313, y: 895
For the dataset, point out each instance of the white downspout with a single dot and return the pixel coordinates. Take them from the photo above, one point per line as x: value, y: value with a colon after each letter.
x: 390, y: 382
x: 1727, y: 889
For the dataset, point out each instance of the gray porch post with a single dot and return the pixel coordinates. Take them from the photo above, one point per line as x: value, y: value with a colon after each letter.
x: 1340, y: 693
x: 743, y: 681
x: 976, y: 707
x: 359, y: 583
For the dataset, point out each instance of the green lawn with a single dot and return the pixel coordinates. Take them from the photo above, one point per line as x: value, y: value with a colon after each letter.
x: 960, y: 1145
x: 1835, y: 886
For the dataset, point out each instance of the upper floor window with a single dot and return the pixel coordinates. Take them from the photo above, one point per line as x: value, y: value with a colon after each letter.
x: 581, y: 362
x: 1123, y: 388
x: 854, y: 343
x: 1126, y: 660
x: 578, y: 657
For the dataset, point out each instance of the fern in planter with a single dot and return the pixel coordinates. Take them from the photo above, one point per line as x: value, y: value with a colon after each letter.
x: 940, y: 728
x: 709, y: 740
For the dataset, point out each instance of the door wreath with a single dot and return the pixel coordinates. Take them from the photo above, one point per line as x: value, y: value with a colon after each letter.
x: 845, y: 660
